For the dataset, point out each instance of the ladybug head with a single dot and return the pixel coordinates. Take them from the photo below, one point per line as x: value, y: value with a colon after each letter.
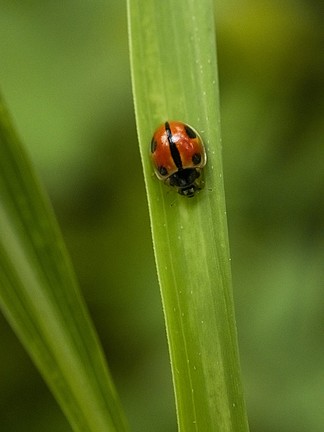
x: 185, y: 181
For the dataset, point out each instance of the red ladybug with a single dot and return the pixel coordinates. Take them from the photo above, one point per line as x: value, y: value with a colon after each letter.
x: 178, y: 156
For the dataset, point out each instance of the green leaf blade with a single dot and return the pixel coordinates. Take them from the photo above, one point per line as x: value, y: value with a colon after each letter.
x: 40, y: 297
x: 174, y: 71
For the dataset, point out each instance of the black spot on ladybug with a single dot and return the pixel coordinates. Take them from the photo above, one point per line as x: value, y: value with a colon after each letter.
x: 153, y: 145
x: 196, y: 158
x: 173, y: 148
x: 191, y: 133
x: 163, y: 171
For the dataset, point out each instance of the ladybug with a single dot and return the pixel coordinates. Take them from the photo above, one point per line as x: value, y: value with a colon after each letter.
x: 178, y: 156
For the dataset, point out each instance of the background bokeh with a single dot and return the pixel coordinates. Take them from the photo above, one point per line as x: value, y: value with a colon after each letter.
x: 64, y: 72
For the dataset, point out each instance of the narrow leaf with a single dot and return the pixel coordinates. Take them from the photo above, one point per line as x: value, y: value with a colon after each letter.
x: 174, y: 72
x: 41, y: 299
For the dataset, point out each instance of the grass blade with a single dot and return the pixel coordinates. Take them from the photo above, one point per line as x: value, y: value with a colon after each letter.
x: 174, y: 72
x: 40, y: 297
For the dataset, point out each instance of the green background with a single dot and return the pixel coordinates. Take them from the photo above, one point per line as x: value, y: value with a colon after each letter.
x: 64, y: 72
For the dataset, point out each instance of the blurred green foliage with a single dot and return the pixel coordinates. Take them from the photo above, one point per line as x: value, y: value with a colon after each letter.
x: 65, y: 75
